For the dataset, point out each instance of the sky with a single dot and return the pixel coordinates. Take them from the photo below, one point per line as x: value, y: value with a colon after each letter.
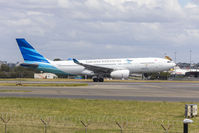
x: 90, y: 29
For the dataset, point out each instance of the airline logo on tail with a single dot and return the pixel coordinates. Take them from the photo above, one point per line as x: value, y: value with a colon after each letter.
x: 29, y: 53
x: 34, y: 59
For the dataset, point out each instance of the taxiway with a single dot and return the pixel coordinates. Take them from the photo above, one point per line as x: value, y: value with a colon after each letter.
x: 144, y: 91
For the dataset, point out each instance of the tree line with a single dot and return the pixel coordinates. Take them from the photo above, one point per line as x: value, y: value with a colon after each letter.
x: 16, y: 72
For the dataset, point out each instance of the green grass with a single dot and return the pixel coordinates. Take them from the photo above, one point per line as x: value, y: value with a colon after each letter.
x: 89, y: 80
x: 15, y: 91
x: 45, y: 84
x: 32, y: 79
x: 66, y: 114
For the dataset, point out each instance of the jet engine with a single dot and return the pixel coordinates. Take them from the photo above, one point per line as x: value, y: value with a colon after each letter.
x: 120, y: 74
x: 87, y: 72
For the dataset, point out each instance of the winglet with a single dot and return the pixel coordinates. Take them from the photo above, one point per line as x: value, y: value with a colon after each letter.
x: 76, y: 61
x: 168, y: 58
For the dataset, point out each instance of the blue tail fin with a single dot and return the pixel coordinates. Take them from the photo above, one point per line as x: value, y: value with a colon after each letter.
x: 29, y: 53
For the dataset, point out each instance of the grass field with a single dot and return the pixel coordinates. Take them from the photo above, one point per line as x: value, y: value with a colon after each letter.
x: 32, y: 79
x: 14, y: 91
x: 90, y: 80
x: 45, y: 84
x: 65, y: 115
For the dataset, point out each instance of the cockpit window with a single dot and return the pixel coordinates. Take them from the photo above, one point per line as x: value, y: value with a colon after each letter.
x: 168, y: 61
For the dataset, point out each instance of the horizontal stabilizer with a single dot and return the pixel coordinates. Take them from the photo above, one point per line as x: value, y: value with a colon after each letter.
x: 29, y: 65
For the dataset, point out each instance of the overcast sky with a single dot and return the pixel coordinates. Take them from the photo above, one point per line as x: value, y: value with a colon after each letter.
x: 88, y: 29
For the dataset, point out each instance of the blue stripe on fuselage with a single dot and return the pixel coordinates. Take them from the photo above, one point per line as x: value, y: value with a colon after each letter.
x: 46, y: 67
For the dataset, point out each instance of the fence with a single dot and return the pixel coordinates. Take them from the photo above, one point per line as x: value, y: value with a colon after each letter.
x: 28, y: 123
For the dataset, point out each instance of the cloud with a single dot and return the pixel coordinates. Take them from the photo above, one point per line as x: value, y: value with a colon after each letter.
x: 100, y: 28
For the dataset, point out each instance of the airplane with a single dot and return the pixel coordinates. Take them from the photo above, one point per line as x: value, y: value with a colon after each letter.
x: 177, y: 71
x: 119, y: 68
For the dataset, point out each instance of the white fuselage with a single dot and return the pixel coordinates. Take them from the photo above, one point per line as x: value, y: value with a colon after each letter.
x: 134, y: 65
x: 99, y: 68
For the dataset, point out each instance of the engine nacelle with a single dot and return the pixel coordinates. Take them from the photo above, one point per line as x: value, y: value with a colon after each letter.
x: 88, y: 72
x: 120, y: 74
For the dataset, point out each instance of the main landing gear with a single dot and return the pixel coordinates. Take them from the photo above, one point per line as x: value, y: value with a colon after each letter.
x: 98, y: 79
x: 146, y: 76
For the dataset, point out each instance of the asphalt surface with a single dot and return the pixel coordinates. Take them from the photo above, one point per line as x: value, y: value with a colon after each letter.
x: 149, y: 91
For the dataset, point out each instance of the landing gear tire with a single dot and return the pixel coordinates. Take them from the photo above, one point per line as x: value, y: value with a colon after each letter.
x: 101, y: 79
x: 98, y: 79
x: 95, y: 79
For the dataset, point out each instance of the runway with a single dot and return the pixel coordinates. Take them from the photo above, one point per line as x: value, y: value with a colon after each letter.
x: 149, y: 91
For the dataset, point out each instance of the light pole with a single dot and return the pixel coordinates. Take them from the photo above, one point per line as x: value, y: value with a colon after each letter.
x: 175, y: 56
x: 190, y: 58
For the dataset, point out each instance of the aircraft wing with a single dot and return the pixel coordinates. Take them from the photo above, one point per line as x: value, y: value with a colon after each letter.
x: 95, y: 69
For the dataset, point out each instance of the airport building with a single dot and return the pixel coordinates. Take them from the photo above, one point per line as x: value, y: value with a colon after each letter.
x: 45, y: 76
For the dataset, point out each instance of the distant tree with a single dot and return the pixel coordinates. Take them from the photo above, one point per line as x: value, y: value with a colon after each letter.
x: 16, y: 72
x: 23, y: 72
x: 3, y: 74
x: 57, y: 59
x: 4, y: 68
